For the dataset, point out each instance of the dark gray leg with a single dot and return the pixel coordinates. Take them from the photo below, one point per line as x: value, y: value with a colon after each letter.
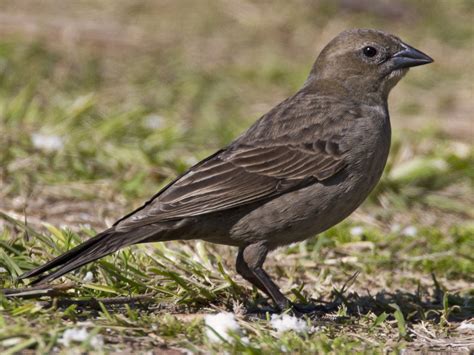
x: 249, y: 264
x: 244, y: 271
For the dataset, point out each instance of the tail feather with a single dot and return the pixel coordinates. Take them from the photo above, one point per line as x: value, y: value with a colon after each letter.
x: 103, y: 244
x: 64, y: 257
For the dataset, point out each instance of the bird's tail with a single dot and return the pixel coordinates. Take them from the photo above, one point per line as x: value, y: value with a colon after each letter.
x: 102, y: 244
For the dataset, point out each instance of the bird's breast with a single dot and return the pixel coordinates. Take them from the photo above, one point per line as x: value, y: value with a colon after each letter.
x: 370, y: 146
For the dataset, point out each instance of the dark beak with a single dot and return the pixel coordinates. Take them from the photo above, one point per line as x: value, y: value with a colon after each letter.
x: 410, y: 57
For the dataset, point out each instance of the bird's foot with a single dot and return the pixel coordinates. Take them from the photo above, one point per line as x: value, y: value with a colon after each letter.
x: 302, y: 309
x: 260, y: 312
x: 299, y: 309
x: 296, y: 309
x: 306, y: 307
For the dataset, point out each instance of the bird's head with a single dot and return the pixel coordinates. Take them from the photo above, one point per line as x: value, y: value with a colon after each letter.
x: 366, y: 61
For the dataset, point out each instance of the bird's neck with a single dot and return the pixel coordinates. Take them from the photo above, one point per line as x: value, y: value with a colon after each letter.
x: 345, y: 90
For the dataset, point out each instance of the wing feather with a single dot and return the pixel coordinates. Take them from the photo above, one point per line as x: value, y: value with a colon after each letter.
x: 236, y: 177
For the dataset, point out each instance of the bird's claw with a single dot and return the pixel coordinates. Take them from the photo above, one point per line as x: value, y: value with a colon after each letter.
x: 301, y: 309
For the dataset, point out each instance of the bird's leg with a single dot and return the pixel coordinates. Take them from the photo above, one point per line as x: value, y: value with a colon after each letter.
x: 244, y: 271
x: 249, y: 264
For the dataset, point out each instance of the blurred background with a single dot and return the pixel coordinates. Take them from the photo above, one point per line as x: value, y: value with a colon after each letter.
x: 102, y: 102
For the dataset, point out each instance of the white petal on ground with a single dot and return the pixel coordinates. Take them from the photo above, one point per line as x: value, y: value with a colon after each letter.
x: 97, y: 342
x: 72, y: 335
x: 284, y: 323
x: 222, y: 324
x: 462, y: 150
x: 466, y: 326
x: 88, y: 278
x: 79, y: 335
x: 245, y: 340
x: 395, y: 228
x: 356, y: 231
x: 154, y: 121
x: 11, y: 341
x: 410, y: 231
x: 47, y: 142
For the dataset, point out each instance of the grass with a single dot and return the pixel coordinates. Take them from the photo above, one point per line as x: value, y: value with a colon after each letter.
x: 125, y: 103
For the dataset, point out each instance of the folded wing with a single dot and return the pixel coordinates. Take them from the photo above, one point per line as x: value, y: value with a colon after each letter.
x: 239, y: 176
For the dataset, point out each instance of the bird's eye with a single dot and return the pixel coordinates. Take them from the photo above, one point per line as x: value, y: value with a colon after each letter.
x: 369, y: 51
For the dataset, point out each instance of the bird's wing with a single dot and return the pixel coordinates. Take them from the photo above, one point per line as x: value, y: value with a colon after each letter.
x: 238, y: 176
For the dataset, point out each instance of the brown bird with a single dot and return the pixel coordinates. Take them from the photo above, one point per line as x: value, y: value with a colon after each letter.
x: 300, y: 169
